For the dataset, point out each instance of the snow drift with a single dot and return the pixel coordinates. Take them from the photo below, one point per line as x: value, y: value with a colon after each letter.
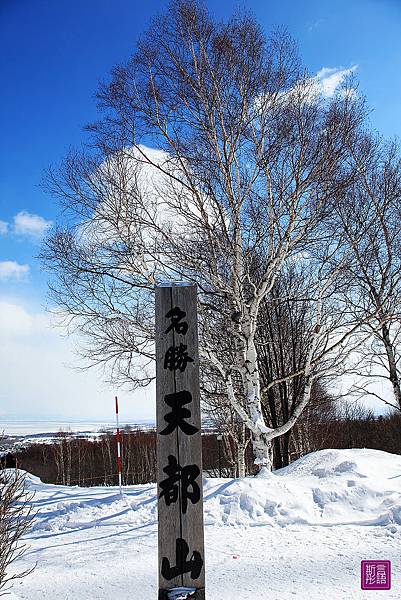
x: 329, y: 487
x: 300, y: 532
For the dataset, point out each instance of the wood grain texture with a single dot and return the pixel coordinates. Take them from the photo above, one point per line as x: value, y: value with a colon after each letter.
x: 187, y: 449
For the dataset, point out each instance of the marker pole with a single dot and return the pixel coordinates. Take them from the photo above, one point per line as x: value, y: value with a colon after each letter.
x: 118, y: 449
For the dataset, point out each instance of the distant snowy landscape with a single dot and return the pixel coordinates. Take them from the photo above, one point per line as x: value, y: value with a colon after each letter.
x: 300, y: 532
x: 19, y: 434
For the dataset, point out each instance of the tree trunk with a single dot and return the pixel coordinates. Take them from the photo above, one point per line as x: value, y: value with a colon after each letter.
x: 262, y: 451
x: 392, y: 365
x: 262, y: 447
x: 285, y: 445
x: 241, y: 444
x: 241, y: 448
x: 277, y: 454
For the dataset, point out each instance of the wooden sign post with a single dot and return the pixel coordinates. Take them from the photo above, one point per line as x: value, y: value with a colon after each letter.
x: 179, y: 450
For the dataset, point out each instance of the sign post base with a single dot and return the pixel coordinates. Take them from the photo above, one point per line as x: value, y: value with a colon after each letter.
x: 182, y: 594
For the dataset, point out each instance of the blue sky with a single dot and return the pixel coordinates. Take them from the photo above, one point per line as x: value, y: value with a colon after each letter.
x: 52, y: 56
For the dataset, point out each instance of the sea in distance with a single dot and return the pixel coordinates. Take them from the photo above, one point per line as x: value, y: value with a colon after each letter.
x: 17, y: 433
x: 24, y: 428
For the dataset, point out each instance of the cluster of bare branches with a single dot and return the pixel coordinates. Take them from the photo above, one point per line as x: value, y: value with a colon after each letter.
x: 16, y: 513
x: 368, y: 213
x: 246, y: 185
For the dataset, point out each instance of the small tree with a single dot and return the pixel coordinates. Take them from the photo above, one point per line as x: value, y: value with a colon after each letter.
x: 16, y: 515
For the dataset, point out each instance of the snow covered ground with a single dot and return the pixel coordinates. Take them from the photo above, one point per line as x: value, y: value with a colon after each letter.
x: 298, y: 533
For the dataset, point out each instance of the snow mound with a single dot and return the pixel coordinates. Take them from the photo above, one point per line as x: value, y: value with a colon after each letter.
x: 329, y: 487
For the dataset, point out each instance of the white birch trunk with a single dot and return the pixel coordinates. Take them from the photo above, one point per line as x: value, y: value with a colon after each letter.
x: 392, y: 364
x: 251, y: 379
x: 251, y: 413
x: 241, y: 448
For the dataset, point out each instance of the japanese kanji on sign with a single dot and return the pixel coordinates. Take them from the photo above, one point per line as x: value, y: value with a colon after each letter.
x: 179, y: 450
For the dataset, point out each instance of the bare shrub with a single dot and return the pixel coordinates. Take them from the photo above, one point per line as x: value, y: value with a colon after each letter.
x: 16, y: 513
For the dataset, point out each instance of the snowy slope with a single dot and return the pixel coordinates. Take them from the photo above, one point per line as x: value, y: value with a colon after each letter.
x: 300, y: 532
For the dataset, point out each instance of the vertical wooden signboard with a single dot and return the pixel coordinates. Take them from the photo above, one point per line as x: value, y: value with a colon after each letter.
x: 179, y: 451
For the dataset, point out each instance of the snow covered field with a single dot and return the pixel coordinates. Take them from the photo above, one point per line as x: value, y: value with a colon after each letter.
x: 298, y: 533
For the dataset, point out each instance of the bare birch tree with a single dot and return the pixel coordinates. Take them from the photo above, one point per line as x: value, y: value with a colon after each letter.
x: 247, y: 158
x: 373, y: 205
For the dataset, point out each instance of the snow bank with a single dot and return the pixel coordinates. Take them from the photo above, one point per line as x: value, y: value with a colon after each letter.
x: 92, y: 543
x: 329, y: 487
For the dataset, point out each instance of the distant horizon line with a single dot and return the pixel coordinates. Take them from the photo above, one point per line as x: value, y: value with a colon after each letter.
x: 73, y: 420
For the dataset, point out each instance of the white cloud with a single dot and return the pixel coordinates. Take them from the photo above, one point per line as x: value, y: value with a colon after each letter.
x: 322, y: 85
x: 329, y: 79
x: 3, y: 227
x: 9, y: 269
x: 37, y: 383
x: 15, y: 321
x: 33, y: 226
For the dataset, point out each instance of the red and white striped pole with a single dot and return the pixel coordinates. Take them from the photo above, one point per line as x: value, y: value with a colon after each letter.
x: 118, y: 449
